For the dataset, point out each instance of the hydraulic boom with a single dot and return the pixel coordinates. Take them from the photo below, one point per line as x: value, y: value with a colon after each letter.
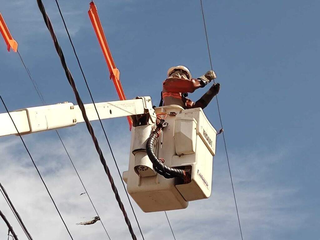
x: 38, y: 119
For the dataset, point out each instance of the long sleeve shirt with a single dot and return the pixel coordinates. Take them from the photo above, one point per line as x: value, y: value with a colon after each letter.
x: 175, y: 89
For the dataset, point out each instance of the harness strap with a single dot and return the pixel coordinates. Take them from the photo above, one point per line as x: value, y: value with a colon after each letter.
x: 171, y: 94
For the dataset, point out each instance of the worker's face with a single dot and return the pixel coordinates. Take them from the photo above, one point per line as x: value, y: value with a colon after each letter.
x: 179, y: 74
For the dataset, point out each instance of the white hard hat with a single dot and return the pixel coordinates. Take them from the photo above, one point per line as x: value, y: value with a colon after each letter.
x: 181, y: 68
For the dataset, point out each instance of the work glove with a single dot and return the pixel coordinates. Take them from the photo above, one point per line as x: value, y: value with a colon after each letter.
x: 215, y: 89
x: 207, y: 97
x: 207, y: 77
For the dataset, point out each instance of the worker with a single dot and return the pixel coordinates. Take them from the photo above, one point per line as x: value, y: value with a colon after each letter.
x: 180, y: 82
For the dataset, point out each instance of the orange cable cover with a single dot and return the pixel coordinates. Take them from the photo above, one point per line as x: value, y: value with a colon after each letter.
x: 11, y: 43
x: 114, y: 72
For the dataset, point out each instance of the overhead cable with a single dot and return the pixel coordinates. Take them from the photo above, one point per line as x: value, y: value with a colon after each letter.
x: 34, y: 164
x: 35, y: 85
x: 9, y: 226
x: 84, y: 115
x: 223, y: 135
x: 174, y: 237
x: 14, y: 211
x: 103, y: 129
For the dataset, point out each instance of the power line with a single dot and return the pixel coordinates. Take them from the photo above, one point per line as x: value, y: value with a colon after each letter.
x: 84, y: 115
x: 174, y: 237
x: 84, y: 187
x: 14, y: 211
x: 223, y: 135
x: 9, y: 226
x: 103, y: 129
x: 34, y: 83
x: 9, y: 235
x: 64, y: 146
x: 206, y: 33
x: 34, y: 164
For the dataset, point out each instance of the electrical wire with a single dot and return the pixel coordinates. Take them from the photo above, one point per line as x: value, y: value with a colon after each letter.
x: 34, y: 83
x: 84, y: 115
x: 84, y: 187
x: 9, y: 235
x: 14, y: 211
x: 223, y: 135
x: 103, y: 129
x: 34, y: 164
x: 206, y: 34
x: 174, y: 237
x: 63, y: 145
x: 10, y: 229
x: 105, y: 134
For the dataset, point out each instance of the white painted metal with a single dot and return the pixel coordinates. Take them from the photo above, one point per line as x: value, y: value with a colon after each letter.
x: 184, y: 136
x: 154, y: 193
x: 19, y: 117
x: 51, y: 117
x: 201, y: 160
x: 37, y: 119
x: 142, y: 164
x: 189, y: 142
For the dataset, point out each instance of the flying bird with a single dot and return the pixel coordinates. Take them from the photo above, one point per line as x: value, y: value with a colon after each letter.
x: 93, y: 221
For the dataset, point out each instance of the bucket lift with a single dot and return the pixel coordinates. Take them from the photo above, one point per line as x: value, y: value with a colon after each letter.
x: 169, y: 165
x: 187, y: 143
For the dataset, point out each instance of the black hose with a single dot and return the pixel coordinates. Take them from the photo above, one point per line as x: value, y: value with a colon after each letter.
x: 158, y: 166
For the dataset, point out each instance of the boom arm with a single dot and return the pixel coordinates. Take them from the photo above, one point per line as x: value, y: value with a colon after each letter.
x: 38, y: 119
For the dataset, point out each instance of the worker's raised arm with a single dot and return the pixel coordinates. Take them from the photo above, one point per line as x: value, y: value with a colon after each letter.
x: 207, y: 97
x: 177, y: 84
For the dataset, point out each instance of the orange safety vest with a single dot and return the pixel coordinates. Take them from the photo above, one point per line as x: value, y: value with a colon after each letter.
x: 173, y: 89
x: 171, y: 94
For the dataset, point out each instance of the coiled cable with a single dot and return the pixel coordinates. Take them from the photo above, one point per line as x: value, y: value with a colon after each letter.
x: 158, y: 165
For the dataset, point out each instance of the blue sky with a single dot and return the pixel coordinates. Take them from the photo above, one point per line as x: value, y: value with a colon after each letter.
x: 266, y: 56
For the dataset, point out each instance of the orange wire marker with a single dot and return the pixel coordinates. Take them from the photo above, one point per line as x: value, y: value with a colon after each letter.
x: 11, y: 43
x: 114, y: 71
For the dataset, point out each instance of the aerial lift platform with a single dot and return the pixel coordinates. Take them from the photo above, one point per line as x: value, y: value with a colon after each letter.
x: 171, y: 152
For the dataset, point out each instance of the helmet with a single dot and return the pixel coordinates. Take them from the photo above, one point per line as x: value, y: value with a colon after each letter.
x: 180, y: 68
